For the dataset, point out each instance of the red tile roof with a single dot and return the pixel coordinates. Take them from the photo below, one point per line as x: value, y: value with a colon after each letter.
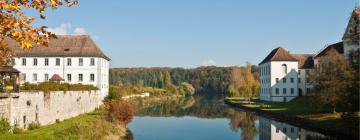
x: 63, y: 46
x: 8, y: 69
x: 306, y: 61
x: 56, y: 77
x: 278, y: 54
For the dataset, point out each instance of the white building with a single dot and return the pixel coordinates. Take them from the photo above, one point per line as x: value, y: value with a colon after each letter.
x: 279, y: 77
x: 284, y: 76
x: 76, y: 59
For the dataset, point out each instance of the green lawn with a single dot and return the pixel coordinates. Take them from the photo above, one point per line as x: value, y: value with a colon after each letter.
x: 302, y: 107
x: 86, y: 126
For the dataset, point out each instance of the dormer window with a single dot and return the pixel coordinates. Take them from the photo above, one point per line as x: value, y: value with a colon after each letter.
x: 284, y: 68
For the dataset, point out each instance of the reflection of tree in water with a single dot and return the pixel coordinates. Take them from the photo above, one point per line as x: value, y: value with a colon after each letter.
x: 244, y: 122
x: 199, y: 106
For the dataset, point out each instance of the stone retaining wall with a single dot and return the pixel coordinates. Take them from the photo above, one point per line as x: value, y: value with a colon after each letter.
x: 23, y: 108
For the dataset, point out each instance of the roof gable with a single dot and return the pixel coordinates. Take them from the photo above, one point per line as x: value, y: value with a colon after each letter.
x: 339, y: 47
x: 63, y: 46
x: 278, y: 54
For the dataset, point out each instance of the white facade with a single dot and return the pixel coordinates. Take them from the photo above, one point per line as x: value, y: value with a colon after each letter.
x: 74, y: 70
x: 278, y: 81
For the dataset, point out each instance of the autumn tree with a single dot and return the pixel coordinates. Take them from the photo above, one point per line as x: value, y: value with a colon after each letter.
x: 333, y: 79
x: 16, y: 25
x: 119, y: 111
x: 243, y: 83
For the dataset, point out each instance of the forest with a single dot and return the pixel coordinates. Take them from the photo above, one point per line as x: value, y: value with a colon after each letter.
x: 211, y: 79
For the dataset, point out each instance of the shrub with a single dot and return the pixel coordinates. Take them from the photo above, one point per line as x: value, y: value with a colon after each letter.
x: 120, y: 111
x: 34, y: 125
x: 57, y: 121
x: 17, y: 130
x: 114, y: 93
x: 51, y: 86
x: 4, y: 126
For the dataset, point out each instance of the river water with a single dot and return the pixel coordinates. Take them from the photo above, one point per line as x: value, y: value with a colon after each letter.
x: 208, y: 118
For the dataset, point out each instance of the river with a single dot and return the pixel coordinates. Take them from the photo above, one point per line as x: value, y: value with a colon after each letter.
x: 208, y: 118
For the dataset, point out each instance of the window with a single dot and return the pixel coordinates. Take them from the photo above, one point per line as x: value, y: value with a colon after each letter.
x: 24, y: 61
x: 277, y: 90
x: 46, y: 61
x: 284, y: 68
x: 23, y: 77
x: 307, y: 72
x: 46, y: 77
x: 292, y: 90
x: 284, y: 129
x: 307, y: 80
x: 307, y: 90
x: 277, y: 80
x: 92, y: 77
x: 57, y: 61
x: 80, y: 77
x: 34, y: 77
x: 284, y: 90
x: 284, y: 80
x: 292, y: 130
x: 277, y: 130
x: 292, y: 80
x: 80, y: 62
x: 299, y: 72
x: 35, y: 61
x: 69, y: 77
x: 92, y: 62
x: 69, y: 61
x: 299, y: 80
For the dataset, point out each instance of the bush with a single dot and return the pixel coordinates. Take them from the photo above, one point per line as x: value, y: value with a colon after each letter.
x: 34, y: 125
x: 119, y: 111
x: 17, y: 130
x: 51, y: 86
x: 4, y: 126
x: 114, y: 93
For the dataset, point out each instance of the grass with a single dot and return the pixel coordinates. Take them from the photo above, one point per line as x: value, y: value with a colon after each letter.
x: 302, y: 107
x: 86, y: 126
x: 298, y: 106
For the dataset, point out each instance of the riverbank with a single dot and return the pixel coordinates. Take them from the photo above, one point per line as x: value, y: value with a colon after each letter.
x: 299, y: 113
x: 86, y: 126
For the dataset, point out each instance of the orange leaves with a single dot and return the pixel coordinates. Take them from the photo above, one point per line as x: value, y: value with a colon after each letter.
x: 16, y: 25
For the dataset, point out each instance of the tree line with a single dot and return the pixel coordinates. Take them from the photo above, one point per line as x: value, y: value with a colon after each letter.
x: 211, y: 79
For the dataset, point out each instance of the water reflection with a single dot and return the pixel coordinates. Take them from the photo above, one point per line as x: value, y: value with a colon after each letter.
x: 194, y: 111
x: 244, y: 123
x: 274, y: 130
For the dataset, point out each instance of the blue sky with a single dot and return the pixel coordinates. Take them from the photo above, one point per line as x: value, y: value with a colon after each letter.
x: 191, y: 33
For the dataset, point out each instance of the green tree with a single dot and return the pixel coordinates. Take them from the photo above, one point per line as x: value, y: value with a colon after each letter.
x: 167, y: 79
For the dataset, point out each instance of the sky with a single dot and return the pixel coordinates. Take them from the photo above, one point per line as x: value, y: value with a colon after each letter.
x: 193, y: 33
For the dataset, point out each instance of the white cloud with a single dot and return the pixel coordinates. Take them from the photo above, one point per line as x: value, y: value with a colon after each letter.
x: 79, y: 31
x: 66, y: 29
x: 208, y: 62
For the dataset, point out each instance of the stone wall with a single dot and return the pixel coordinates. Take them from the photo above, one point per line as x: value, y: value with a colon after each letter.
x: 23, y: 108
